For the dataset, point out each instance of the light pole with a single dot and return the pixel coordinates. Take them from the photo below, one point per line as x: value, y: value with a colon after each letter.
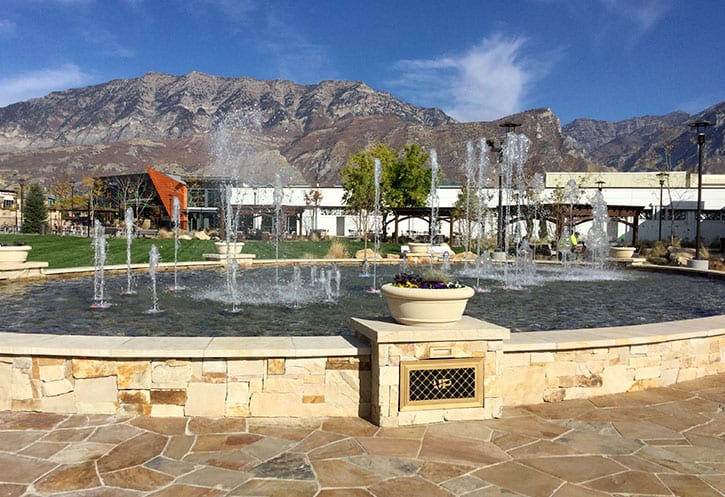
x: 72, y: 204
x: 509, y: 126
x: 662, y: 176
x: 22, y: 201
x: 699, y: 127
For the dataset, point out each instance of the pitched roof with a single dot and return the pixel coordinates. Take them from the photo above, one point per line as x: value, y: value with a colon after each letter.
x: 169, y: 187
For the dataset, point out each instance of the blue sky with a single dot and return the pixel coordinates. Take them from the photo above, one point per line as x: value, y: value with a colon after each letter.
x: 477, y: 60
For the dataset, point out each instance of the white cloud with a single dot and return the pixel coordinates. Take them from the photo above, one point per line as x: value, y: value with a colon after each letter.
x: 237, y: 9
x: 487, y: 82
x: 7, y: 28
x: 293, y: 55
x: 643, y: 13
x: 20, y: 87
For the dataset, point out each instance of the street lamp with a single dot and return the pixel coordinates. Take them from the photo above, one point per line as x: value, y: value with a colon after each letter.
x: 22, y: 201
x: 509, y: 126
x: 699, y: 127
x: 662, y: 176
x: 72, y: 204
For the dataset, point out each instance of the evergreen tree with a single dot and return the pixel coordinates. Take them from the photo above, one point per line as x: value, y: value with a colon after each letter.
x: 35, y: 210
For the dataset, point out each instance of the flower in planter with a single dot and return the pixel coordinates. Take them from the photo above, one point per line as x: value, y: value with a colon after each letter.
x: 430, y: 279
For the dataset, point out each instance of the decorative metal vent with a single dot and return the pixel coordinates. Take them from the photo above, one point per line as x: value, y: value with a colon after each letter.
x: 441, y: 383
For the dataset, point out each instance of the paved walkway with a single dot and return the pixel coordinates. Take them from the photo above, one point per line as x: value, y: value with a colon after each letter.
x: 668, y: 441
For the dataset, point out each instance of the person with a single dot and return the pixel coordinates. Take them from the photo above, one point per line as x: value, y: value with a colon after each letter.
x: 576, y: 247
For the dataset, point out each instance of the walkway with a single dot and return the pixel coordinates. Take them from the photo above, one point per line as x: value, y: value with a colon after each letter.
x: 667, y: 441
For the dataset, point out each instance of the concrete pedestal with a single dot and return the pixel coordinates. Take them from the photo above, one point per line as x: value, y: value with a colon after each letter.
x: 392, y: 343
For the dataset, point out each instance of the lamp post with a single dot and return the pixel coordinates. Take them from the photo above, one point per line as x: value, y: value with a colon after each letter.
x: 17, y: 202
x: 662, y: 176
x: 508, y: 126
x: 22, y: 201
x: 72, y: 204
x: 699, y: 127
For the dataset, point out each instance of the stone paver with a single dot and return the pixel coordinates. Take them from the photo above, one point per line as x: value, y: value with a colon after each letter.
x: 660, y: 442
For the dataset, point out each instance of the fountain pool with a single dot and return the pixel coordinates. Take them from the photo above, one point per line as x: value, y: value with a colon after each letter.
x: 577, y: 298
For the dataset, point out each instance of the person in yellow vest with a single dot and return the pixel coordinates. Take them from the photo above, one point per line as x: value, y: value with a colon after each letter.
x: 576, y: 247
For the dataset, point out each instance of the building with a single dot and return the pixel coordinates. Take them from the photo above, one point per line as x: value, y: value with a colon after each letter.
x: 642, y: 207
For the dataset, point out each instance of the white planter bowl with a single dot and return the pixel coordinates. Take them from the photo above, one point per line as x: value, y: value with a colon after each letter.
x: 419, y: 248
x: 621, y: 252
x: 426, y: 307
x: 14, y: 254
x: 236, y: 248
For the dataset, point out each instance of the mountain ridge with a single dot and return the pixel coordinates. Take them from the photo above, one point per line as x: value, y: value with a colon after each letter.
x: 307, y: 131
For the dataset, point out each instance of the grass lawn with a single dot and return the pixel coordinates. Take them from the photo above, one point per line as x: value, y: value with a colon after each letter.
x: 67, y: 251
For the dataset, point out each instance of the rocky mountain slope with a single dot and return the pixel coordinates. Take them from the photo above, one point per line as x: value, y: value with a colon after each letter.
x: 201, y: 124
x: 640, y: 143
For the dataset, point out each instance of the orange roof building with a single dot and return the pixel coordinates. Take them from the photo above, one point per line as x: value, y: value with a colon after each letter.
x: 169, y: 188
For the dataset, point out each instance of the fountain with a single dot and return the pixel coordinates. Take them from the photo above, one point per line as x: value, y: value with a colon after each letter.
x: 302, y: 306
x: 515, y: 153
x: 215, y: 376
x: 99, y: 262
x: 377, y: 174
x: 277, y: 200
x: 154, y: 259
x: 597, y: 239
x: 129, y: 224
x: 176, y: 220
x: 433, y: 200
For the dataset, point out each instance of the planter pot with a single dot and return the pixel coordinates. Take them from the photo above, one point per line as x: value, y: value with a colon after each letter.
x: 702, y: 264
x: 419, y: 248
x: 498, y: 256
x: 14, y: 254
x: 236, y: 248
x: 426, y: 307
x: 621, y: 252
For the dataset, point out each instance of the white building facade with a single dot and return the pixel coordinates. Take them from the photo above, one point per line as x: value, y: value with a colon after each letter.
x: 323, y: 210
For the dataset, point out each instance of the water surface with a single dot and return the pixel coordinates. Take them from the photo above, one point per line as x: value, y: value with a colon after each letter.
x: 554, y: 300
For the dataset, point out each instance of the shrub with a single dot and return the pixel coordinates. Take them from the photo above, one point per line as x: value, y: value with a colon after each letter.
x: 337, y: 250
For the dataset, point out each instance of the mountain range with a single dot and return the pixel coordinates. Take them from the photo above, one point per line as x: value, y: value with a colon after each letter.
x: 200, y: 124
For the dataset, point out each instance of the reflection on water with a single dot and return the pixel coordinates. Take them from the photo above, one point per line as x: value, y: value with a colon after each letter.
x: 552, y: 301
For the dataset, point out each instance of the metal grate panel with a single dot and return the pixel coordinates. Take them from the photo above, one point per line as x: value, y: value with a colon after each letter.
x: 439, y: 384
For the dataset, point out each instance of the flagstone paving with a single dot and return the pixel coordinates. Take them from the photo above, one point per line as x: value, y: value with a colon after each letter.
x: 662, y: 442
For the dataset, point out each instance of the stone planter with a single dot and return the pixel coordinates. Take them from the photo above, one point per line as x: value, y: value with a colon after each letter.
x: 419, y: 248
x: 425, y: 306
x: 621, y: 252
x: 236, y: 248
x: 702, y: 264
x: 498, y: 255
x: 14, y: 254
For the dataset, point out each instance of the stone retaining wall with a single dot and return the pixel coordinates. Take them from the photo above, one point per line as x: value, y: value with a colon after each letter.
x: 315, y: 386
x: 332, y: 376
x: 578, y: 364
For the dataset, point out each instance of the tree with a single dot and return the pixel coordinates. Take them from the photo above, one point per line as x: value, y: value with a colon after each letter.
x: 35, y: 210
x: 471, y: 208
x: 405, y: 181
x: 358, y: 181
x: 96, y: 189
x: 409, y: 181
x: 409, y: 178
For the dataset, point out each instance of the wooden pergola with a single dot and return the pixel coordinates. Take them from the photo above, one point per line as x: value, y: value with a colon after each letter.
x: 560, y: 215
x: 563, y: 215
x: 424, y: 213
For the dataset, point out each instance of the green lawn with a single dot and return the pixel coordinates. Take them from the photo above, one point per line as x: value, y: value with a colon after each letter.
x: 60, y: 252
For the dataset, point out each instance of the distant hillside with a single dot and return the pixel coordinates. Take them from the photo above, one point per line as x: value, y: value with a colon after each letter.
x: 637, y: 144
x: 305, y: 131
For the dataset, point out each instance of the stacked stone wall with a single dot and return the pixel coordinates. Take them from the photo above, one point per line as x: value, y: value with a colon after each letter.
x: 536, y: 376
x: 314, y: 386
